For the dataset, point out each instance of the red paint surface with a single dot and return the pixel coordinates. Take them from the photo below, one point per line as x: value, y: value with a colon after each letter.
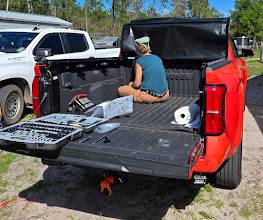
x: 222, y: 147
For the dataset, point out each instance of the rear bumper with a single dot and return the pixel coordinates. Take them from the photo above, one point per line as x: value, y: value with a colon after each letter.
x: 131, y: 166
x: 218, y: 150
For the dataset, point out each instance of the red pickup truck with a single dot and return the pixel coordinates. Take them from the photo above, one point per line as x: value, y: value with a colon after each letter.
x: 202, y: 66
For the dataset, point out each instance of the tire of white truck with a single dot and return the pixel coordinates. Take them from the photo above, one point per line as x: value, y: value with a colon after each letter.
x: 12, y: 103
x: 229, y: 174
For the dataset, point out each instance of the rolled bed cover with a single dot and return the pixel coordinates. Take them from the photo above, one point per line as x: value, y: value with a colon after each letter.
x: 184, y: 39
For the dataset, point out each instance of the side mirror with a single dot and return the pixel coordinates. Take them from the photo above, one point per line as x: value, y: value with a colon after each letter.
x: 42, y: 53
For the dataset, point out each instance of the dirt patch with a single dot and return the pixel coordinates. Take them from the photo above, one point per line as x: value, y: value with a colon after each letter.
x: 66, y: 192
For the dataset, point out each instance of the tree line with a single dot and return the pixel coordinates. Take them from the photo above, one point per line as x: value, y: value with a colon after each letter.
x: 108, y: 16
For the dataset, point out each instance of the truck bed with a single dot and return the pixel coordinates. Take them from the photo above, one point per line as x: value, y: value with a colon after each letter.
x: 156, y: 116
x: 145, y: 143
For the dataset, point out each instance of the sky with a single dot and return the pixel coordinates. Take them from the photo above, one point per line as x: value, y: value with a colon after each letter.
x: 224, y: 6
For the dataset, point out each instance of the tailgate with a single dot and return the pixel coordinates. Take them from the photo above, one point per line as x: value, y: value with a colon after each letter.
x: 135, y: 150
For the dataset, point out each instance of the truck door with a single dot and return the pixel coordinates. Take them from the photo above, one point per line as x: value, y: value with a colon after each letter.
x: 52, y: 41
x: 77, y: 46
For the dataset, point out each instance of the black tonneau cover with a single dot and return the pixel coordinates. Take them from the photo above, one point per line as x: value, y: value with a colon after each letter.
x: 173, y: 38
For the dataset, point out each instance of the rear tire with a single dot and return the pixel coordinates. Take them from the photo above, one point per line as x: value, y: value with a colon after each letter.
x: 12, y: 104
x: 229, y: 174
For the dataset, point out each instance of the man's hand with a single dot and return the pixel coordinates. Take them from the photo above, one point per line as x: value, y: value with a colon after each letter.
x: 131, y: 84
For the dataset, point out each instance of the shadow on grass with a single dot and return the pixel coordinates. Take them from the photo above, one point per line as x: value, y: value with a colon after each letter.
x: 140, y: 197
x: 254, y: 99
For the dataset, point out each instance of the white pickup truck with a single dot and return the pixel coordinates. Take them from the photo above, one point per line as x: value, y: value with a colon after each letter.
x: 17, y: 60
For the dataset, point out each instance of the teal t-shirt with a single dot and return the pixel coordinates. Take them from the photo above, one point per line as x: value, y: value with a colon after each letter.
x: 153, y: 74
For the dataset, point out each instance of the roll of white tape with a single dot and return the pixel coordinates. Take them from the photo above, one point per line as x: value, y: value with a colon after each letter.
x: 186, y: 114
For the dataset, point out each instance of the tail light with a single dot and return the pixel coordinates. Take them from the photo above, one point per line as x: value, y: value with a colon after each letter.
x: 214, y: 112
x: 35, y: 90
x: 36, y: 98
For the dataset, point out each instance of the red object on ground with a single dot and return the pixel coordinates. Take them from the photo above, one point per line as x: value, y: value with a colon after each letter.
x: 13, y: 198
x: 105, y: 184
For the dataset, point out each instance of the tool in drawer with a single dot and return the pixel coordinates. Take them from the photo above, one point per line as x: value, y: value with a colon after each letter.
x: 87, y: 123
x: 40, y: 135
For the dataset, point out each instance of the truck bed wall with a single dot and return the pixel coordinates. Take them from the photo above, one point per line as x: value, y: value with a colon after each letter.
x: 101, y: 79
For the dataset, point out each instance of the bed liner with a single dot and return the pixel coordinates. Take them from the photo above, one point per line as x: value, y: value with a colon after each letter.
x: 158, y: 115
x: 145, y: 143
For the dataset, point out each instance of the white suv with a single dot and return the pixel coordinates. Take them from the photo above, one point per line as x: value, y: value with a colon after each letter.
x: 17, y: 59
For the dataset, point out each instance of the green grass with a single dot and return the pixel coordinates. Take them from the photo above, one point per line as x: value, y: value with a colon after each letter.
x: 205, y: 215
x: 5, y: 161
x: 253, y: 65
x: 219, y: 204
x: 70, y: 217
x: 28, y: 117
x: 245, y: 212
x: 208, y: 188
x: 204, y: 193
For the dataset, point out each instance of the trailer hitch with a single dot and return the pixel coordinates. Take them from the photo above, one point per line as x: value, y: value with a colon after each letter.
x: 199, y: 179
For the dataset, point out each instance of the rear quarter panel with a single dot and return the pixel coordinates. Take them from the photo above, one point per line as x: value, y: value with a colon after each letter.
x: 220, y: 148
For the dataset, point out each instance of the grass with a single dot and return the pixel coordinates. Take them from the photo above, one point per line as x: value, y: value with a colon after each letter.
x: 245, y: 212
x: 233, y: 204
x: 3, y: 185
x: 28, y: 174
x: 208, y: 188
x: 203, y: 194
x: 253, y: 65
x: 70, y: 217
x: 261, y: 199
x: 205, y: 215
x: 5, y: 161
x: 27, y: 117
x: 219, y: 204
x: 5, y: 213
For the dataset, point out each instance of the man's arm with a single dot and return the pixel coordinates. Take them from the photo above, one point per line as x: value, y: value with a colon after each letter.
x: 138, y: 77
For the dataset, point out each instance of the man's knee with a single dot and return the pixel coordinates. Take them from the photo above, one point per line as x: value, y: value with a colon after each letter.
x: 121, y: 90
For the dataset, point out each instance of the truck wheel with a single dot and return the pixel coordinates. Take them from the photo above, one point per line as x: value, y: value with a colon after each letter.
x: 230, y: 173
x: 12, y: 104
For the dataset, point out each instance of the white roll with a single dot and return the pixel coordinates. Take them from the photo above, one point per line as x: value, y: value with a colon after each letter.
x: 186, y: 114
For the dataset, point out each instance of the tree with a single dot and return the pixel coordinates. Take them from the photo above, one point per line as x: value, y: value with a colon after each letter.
x: 247, y: 20
x: 201, y: 9
x: 179, y: 8
x: 40, y: 6
x: 18, y: 5
x: 152, y: 11
x: 137, y: 8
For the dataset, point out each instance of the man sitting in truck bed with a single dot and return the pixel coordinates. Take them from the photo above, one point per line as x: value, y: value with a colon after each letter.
x: 150, y: 84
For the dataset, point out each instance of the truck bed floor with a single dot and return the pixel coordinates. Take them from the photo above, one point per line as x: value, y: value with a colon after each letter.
x: 156, y: 116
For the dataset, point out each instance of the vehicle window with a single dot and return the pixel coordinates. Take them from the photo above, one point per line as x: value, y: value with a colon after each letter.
x: 53, y: 42
x: 15, y: 42
x: 239, y: 41
x: 77, y: 42
x: 246, y: 41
